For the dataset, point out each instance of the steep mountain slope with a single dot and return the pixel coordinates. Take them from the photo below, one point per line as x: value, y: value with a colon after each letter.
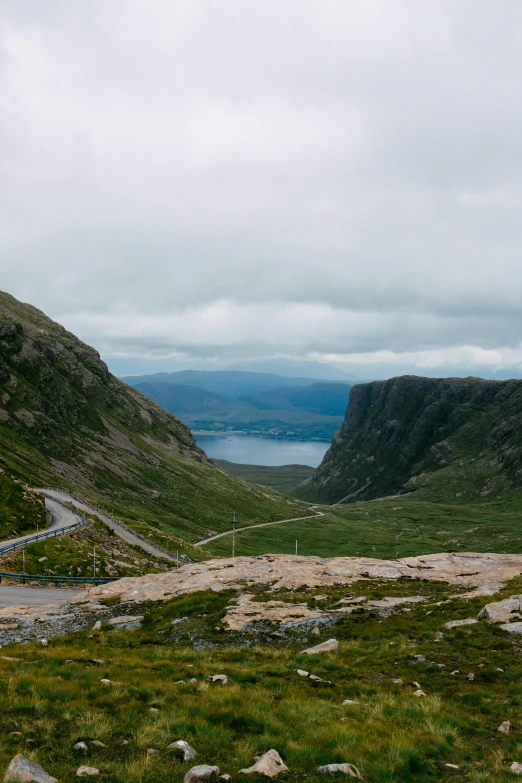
x: 464, y: 434
x: 65, y: 418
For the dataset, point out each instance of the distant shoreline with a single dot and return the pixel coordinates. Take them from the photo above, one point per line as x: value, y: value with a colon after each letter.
x: 215, y: 434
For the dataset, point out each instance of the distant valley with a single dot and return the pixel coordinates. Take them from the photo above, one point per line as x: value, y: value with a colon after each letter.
x: 253, y: 403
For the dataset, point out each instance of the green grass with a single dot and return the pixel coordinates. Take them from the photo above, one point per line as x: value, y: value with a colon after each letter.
x: 282, y: 478
x: 21, y: 511
x: 55, y: 698
x: 391, y: 527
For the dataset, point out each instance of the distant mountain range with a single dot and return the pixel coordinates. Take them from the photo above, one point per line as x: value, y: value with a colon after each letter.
x: 254, y: 403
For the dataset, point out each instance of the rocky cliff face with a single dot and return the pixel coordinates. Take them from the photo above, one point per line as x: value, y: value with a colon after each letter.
x: 399, y: 431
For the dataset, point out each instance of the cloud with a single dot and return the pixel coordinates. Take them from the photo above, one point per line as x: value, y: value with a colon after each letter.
x: 302, y: 179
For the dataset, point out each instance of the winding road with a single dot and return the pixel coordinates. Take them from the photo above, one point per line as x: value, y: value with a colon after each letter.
x: 262, y: 524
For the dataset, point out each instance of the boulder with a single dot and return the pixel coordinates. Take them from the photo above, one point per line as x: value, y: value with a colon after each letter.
x: 21, y: 770
x: 218, y: 679
x: 501, y: 611
x: 97, y: 626
x: 504, y: 727
x: 80, y: 747
x: 419, y: 693
x: 332, y: 645
x: 83, y: 771
x: 270, y: 764
x: 459, y: 623
x: 334, y: 769
x: 302, y: 673
x: 516, y: 768
x: 512, y: 627
x: 200, y: 774
x: 183, y: 748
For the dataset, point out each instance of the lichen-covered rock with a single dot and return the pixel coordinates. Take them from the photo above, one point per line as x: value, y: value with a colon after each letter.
x: 459, y: 623
x: 332, y: 645
x: 269, y: 764
x: 201, y: 774
x: 21, y: 770
x: 501, y: 611
x: 335, y: 769
x: 184, y: 749
x: 86, y: 771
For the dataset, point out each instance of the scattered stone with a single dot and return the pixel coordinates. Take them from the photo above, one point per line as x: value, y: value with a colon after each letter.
x: 455, y: 672
x: 270, y: 764
x: 350, y: 701
x: 459, y: 623
x: 416, y: 684
x: 184, y: 748
x: 332, y: 645
x: 470, y: 676
x: 15, y: 734
x: 320, y: 598
x: 333, y: 769
x: 98, y: 744
x: 153, y: 709
x: 43, y: 642
x: 516, y: 768
x: 9, y: 627
x: 501, y: 611
x: 80, y: 747
x: 97, y: 626
x: 317, y: 680
x: 438, y: 635
x: 498, y: 669
x: 504, y: 727
x: 397, y: 681
x: 302, y: 673
x: 21, y: 770
x: 451, y: 769
x: 83, y: 771
x: 200, y: 773
x: 153, y: 752
x: 125, y: 742
x: 225, y: 777
x: 218, y: 679
x: 512, y: 627
x: 419, y: 658
x: 419, y: 693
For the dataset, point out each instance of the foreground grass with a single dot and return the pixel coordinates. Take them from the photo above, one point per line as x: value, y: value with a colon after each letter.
x: 55, y: 697
x: 388, y: 528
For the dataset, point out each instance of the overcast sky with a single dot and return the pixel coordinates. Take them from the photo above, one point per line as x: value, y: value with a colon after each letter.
x: 196, y: 183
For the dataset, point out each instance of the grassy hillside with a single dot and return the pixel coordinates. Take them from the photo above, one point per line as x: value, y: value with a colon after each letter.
x: 65, y: 419
x: 21, y: 511
x: 158, y: 693
x: 283, y: 478
x: 454, y: 435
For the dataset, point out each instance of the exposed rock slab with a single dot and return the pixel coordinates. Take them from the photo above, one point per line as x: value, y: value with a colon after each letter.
x: 270, y: 764
x: 246, y: 611
x: 501, y: 611
x: 21, y: 770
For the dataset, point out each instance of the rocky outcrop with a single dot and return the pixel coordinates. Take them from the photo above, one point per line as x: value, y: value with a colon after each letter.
x: 22, y: 770
x: 398, y: 430
x: 270, y: 764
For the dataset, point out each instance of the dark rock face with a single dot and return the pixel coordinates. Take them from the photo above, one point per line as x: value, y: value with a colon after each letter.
x: 397, y: 429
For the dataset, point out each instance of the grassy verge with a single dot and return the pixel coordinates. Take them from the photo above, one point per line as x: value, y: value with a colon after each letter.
x: 54, y: 697
x: 21, y: 511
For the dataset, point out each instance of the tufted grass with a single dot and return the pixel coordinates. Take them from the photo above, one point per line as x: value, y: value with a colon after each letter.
x: 55, y: 697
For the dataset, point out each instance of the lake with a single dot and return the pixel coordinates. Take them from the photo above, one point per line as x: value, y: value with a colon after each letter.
x: 250, y: 450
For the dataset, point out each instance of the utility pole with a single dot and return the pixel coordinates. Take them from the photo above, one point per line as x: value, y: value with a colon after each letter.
x: 23, y: 561
x: 234, y: 534
x: 94, y: 557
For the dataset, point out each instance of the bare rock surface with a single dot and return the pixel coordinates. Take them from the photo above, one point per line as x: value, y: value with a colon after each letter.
x: 270, y: 764
x: 459, y: 623
x: 246, y: 611
x: 512, y: 627
x: 21, y: 770
x: 334, y: 769
x: 201, y: 773
x: 501, y: 611
x: 331, y: 645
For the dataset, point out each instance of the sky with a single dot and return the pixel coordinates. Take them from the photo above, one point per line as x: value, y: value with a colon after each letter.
x: 212, y: 184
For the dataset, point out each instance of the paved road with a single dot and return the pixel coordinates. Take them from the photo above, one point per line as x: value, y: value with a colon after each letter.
x: 262, y: 524
x: 121, y: 532
x: 62, y: 518
x: 21, y: 595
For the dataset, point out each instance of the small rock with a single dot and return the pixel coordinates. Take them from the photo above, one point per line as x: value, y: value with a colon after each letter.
x: 225, y: 777
x: 80, y: 747
x: 470, y: 676
x: 504, y: 727
x: 153, y: 709
x: 21, y: 770
x: 455, y: 672
x: 397, y: 681
x: 302, y: 673
x: 516, y: 768
x: 270, y: 764
x: 125, y: 742
x: 332, y: 645
x: 439, y: 635
x: 82, y: 771
x: 200, y: 773
x: 459, y: 623
x: 317, y: 680
x: 97, y: 626
x: 419, y: 693
x: 183, y: 747
x: 98, y: 744
x: 153, y: 752
x: 416, y: 684
x: 498, y: 669
x: 350, y: 701
x: 419, y: 657
x: 218, y: 679
x: 451, y: 769
x: 333, y: 769
x: 15, y: 734
x: 43, y: 642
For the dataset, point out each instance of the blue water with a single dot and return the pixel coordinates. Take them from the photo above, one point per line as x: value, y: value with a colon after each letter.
x: 250, y: 450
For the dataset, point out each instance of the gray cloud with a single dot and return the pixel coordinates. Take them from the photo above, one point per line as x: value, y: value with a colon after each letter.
x: 226, y: 181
